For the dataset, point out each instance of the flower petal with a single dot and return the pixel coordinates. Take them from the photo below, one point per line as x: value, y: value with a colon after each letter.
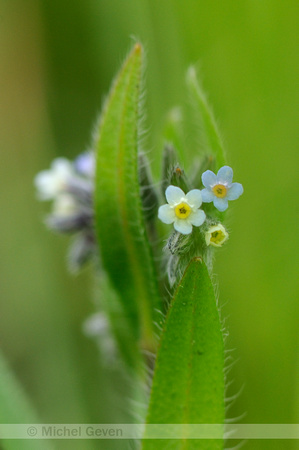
x: 183, y: 226
x: 225, y: 175
x: 208, y: 178
x: 65, y: 205
x: 197, y: 218
x: 45, y: 185
x: 220, y: 203
x: 166, y: 214
x: 85, y: 164
x: 207, y: 195
x: 234, y: 192
x: 194, y: 198
x: 62, y: 166
x: 174, y: 195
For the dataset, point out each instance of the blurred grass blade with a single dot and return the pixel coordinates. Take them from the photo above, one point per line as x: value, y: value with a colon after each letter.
x: 174, y: 134
x: 208, y: 128
x: 188, y: 384
x: 124, y: 246
x: 15, y: 408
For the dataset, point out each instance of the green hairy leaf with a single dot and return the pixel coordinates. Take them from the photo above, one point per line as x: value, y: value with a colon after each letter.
x: 188, y: 384
x: 16, y: 408
x: 120, y: 227
x: 111, y: 303
x: 207, y: 125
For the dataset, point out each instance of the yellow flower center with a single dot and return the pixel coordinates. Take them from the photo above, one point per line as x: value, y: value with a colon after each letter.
x: 219, y: 190
x: 217, y: 237
x: 182, y: 211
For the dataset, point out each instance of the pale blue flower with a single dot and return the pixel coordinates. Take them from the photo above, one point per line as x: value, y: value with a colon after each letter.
x: 220, y: 188
x: 182, y: 209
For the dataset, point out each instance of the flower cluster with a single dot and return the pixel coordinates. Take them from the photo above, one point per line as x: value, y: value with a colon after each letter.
x: 183, y: 210
x: 70, y: 186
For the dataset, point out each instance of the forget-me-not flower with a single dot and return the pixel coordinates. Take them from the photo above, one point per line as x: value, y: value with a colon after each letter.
x: 216, y: 235
x: 220, y: 188
x: 182, y: 209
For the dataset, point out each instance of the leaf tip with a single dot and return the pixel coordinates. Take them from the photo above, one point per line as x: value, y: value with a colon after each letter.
x: 137, y: 48
x: 191, y: 76
x: 197, y: 259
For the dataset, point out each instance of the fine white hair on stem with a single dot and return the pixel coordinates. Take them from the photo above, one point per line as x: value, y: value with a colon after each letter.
x: 233, y: 398
x: 235, y: 419
x: 238, y: 446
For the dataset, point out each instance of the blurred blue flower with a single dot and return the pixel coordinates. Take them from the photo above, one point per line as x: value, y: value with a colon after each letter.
x: 70, y: 186
x: 49, y: 183
x: 85, y: 164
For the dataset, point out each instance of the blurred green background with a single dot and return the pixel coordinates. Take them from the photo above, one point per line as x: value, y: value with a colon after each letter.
x: 57, y: 59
